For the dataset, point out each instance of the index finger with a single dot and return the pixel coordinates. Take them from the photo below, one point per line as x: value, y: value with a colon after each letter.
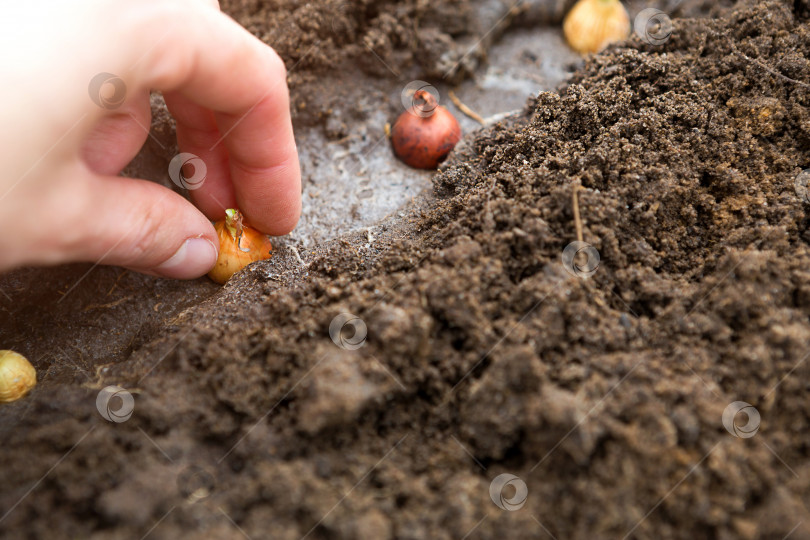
x: 216, y: 64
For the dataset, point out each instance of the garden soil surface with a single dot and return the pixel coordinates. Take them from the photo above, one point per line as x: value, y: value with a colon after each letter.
x: 483, y: 355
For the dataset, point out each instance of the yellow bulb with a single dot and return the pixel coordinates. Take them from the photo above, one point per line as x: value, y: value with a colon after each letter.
x: 239, y: 245
x: 592, y: 25
x: 17, y: 376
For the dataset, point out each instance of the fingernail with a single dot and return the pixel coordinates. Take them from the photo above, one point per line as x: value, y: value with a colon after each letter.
x: 194, y: 258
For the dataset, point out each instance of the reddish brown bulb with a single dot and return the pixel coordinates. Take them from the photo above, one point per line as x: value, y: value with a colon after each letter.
x: 423, y: 135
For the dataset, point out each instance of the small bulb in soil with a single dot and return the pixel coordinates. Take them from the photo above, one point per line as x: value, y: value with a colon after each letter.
x: 239, y: 245
x: 423, y: 135
x: 592, y: 25
x: 17, y: 376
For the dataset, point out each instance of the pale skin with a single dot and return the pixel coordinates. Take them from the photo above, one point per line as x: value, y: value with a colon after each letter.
x: 61, y: 196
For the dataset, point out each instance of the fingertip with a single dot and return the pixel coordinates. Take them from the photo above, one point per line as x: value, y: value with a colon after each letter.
x: 194, y: 257
x: 271, y: 201
x: 282, y: 223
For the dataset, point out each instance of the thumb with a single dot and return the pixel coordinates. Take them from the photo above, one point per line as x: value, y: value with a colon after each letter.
x: 145, y: 227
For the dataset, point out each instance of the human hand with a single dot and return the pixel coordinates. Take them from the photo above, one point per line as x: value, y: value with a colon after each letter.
x: 61, y: 149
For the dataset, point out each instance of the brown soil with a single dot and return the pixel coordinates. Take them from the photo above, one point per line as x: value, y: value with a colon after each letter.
x: 483, y: 356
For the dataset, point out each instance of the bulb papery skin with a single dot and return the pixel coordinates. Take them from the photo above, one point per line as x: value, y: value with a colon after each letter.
x: 422, y: 141
x: 239, y: 245
x: 592, y: 25
x: 17, y: 376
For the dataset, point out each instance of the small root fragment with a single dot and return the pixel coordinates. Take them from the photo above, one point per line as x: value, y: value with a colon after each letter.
x: 577, y: 219
x: 466, y: 110
x: 298, y: 256
x: 107, y: 306
x: 767, y: 68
